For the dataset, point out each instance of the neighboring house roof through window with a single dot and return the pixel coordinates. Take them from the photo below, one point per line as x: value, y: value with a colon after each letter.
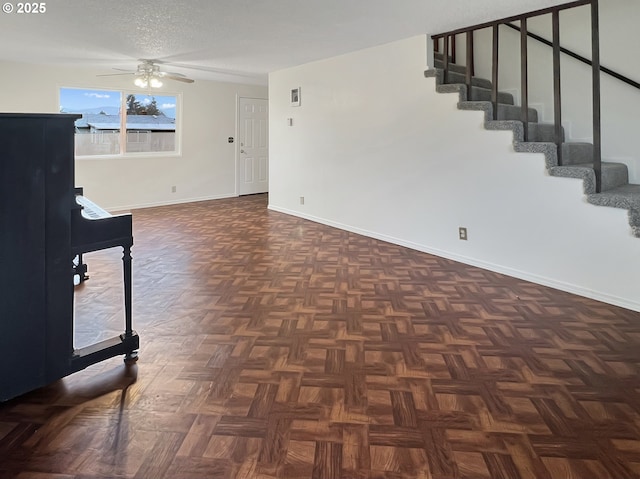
x: 134, y: 122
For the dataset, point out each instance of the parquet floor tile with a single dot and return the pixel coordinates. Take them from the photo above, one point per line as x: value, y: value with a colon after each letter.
x: 274, y: 347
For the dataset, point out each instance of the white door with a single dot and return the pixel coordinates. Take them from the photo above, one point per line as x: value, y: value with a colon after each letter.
x: 253, y: 146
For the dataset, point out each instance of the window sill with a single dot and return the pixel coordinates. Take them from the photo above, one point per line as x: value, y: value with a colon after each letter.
x: 131, y: 156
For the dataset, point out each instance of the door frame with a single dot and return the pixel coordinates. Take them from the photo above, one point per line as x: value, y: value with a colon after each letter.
x: 237, y: 138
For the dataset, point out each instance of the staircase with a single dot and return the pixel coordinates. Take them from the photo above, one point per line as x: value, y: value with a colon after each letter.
x: 577, y: 158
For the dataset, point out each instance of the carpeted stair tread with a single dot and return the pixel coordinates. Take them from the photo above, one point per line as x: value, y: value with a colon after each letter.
x: 477, y: 93
x: 634, y: 221
x: 626, y: 196
x: 614, y: 175
x: 454, y: 77
x: 505, y: 112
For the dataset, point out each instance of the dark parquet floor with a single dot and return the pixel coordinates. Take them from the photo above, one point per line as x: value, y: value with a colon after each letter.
x: 273, y: 347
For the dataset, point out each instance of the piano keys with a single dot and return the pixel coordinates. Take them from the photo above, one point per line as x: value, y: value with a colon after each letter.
x: 44, y: 224
x: 91, y: 235
x: 94, y: 229
x: 90, y: 211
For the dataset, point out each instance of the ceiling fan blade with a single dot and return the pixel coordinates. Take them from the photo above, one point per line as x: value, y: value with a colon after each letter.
x: 175, y: 74
x: 222, y: 71
x: 178, y: 78
x: 149, y: 69
x: 115, y: 74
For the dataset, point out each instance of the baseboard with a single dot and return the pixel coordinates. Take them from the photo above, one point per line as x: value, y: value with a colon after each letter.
x: 168, y: 203
x: 526, y: 276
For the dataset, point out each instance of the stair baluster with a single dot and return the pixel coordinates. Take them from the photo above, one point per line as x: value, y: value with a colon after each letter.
x: 445, y: 75
x: 453, y: 49
x: 494, y: 72
x: 524, y: 78
x: 557, y: 86
x: 469, y: 72
x: 595, y: 55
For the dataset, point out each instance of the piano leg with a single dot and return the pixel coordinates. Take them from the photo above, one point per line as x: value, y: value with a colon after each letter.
x: 82, y: 269
x: 131, y: 356
x: 79, y: 269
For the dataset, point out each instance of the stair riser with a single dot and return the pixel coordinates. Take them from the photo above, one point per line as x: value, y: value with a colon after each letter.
x: 480, y: 94
x: 542, y: 132
x: 614, y: 175
x: 577, y: 153
x: 452, y: 67
x: 454, y: 77
x: 510, y: 112
x: 581, y: 154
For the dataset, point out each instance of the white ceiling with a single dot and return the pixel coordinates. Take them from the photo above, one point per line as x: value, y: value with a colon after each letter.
x: 229, y: 40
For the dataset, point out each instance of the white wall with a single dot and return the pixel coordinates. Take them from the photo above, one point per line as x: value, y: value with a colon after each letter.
x: 374, y: 149
x: 619, y: 40
x: 204, y: 170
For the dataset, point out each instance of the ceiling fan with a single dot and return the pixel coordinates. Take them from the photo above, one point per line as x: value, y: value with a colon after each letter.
x: 148, y: 74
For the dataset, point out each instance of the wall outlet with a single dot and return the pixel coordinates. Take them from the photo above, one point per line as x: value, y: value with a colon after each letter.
x: 173, y: 189
x: 302, y: 200
x: 462, y: 233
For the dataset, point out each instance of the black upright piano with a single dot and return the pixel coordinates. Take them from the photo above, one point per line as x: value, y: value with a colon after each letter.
x: 45, y: 223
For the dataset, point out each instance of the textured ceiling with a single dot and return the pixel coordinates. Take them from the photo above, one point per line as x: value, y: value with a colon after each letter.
x: 229, y: 40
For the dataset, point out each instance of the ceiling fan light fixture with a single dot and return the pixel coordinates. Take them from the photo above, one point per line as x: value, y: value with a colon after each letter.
x: 141, y: 82
x: 155, y: 82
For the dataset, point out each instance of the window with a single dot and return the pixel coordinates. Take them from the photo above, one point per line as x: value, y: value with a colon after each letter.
x: 148, y: 126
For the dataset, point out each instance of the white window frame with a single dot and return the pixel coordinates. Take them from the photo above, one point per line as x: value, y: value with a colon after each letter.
x: 123, y: 130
